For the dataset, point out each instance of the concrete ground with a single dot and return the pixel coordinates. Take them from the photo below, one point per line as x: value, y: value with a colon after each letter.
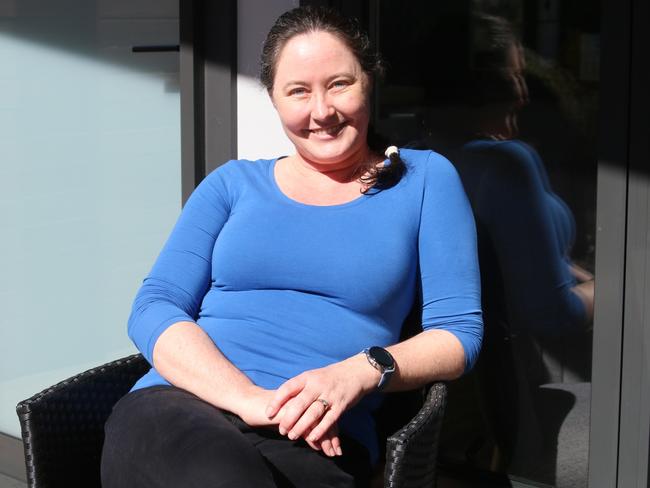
x: 7, y: 482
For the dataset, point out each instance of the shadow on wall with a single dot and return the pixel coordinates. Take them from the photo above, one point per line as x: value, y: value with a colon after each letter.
x: 108, y: 30
x: 104, y: 31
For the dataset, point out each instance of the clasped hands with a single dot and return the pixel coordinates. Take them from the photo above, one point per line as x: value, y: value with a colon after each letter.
x: 309, y: 405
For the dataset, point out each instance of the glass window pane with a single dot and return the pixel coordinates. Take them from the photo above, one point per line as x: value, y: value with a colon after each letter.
x: 89, y: 180
x: 508, y: 91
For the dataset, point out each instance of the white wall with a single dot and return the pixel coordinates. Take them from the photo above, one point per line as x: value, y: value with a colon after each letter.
x: 259, y: 133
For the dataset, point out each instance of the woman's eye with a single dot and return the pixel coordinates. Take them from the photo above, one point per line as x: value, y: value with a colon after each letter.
x: 297, y: 91
x: 339, y: 84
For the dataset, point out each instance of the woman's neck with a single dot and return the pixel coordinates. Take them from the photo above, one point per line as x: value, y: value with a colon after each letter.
x: 322, y: 184
x: 346, y: 171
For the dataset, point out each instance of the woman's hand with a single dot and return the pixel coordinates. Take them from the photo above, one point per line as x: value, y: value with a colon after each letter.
x: 329, y: 443
x: 312, y: 402
x: 252, y: 409
x: 252, y: 412
x: 584, y: 289
x: 580, y: 274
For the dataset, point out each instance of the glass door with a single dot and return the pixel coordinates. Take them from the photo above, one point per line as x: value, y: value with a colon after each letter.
x: 510, y: 92
x: 89, y: 180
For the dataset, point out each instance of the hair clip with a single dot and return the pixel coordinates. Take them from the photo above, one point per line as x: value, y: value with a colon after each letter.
x: 391, y: 153
x: 391, y: 150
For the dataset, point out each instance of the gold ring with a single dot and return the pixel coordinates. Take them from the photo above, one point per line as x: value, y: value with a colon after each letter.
x: 324, y: 402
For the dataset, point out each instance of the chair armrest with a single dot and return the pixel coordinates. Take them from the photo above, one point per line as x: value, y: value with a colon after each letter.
x: 63, y: 426
x: 411, y: 452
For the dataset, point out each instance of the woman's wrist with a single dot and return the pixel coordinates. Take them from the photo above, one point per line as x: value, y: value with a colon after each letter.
x: 367, y: 375
x: 250, y: 405
x: 245, y: 395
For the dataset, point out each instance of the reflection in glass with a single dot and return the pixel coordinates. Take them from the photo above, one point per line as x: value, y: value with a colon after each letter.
x: 517, y: 119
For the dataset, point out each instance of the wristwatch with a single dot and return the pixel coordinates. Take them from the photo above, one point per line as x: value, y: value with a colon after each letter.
x: 381, y: 360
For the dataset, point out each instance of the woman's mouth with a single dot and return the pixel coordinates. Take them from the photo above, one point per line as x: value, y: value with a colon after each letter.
x: 328, y: 131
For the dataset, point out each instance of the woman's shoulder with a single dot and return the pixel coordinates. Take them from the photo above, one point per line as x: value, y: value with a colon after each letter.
x: 242, y: 167
x: 238, y: 172
x: 231, y: 178
x: 513, y: 151
x: 511, y: 159
x: 427, y: 163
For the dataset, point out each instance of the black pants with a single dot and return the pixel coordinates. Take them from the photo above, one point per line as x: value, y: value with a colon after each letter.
x: 166, y: 437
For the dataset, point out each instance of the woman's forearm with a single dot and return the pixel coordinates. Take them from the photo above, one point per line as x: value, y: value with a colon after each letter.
x: 428, y: 356
x: 186, y: 357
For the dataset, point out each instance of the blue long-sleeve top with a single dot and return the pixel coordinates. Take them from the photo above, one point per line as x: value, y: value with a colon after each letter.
x: 526, y: 233
x: 282, y: 287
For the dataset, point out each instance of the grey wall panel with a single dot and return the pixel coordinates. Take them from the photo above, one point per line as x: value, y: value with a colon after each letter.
x: 635, y: 380
x: 208, y: 87
x: 190, y: 78
x: 610, y: 245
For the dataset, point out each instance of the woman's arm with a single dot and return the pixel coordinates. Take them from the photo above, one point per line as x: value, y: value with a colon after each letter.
x: 180, y: 277
x: 162, y: 322
x: 186, y: 357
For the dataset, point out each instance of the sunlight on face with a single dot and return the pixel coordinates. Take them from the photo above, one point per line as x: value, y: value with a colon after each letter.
x: 321, y: 95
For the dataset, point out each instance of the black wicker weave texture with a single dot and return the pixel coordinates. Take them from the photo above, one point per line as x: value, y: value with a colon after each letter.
x: 412, y: 451
x: 63, y: 426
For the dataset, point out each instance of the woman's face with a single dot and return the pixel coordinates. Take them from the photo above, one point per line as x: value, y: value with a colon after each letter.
x: 321, y: 94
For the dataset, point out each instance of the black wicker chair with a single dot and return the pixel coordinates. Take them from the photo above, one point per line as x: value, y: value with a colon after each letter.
x: 63, y: 430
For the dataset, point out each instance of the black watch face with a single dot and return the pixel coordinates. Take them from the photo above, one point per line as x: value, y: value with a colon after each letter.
x: 382, y: 356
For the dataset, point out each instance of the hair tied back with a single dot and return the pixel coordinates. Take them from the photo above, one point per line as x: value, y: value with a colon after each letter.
x: 392, y: 153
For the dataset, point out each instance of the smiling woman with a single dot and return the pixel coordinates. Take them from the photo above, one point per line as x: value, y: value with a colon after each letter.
x: 321, y: 96
x: 277, y: 275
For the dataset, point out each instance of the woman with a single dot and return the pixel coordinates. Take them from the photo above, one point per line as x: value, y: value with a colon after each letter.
x: 526, y: 231
x: 279, y: 278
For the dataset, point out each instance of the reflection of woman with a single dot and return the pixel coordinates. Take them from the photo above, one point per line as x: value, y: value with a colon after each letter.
x: 279, y: 272
x: 526, y: 231
x: 530, y: 231
x: 531, y: 288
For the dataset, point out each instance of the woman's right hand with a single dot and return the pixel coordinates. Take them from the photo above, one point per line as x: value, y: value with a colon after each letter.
x: 253, y: 412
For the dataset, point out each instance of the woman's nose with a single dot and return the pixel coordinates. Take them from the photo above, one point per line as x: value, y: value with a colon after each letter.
x: 322, y: 107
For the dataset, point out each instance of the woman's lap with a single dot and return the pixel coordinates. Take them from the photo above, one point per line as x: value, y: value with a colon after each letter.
x: 165, y: 436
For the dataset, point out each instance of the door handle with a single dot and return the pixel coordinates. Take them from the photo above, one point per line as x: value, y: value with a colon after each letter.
x: 157, y: 48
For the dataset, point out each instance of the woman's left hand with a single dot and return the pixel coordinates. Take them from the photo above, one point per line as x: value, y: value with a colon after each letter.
x: 313, y: 401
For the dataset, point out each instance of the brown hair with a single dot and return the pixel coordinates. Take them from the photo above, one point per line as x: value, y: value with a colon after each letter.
x: 303, y: 20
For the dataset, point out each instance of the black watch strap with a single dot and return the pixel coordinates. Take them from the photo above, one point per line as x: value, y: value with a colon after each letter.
x: 383, y: 361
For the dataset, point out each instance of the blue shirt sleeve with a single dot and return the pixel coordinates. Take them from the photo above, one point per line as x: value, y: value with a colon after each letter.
x: 175, y: 287
x: 527, y: 225
x: 450, y: 279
